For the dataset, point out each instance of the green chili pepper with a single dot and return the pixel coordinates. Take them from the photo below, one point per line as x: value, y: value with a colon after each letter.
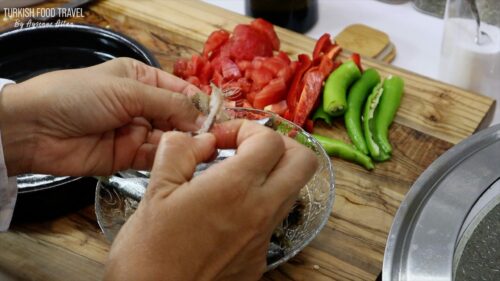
x: 368, y: 123
x: 355, y: 100
x: 387, y: 108
x: 288, y: 130
x: 334, y: 94
x: 321, y: 114
x: 345, y: 151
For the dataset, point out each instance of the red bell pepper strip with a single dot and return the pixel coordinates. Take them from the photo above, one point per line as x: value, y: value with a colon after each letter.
x: 304, y: 63
x: 356, y: 58
x: 323, y: 45
x: 313, y: 81
x: 309, y: 126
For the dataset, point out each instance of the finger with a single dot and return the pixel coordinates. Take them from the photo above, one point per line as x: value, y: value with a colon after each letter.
x: 134, y: 69
x: 144, y: 157
x: 163, y: 107
x: 292, y: 173
x: 128, y: 140
x: 258, y: 148
x: 176, y: 159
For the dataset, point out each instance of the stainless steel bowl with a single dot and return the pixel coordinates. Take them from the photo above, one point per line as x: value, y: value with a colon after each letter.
x: 447, y: 227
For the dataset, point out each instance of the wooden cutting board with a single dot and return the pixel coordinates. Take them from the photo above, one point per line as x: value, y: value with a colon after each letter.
x: 432, y: 118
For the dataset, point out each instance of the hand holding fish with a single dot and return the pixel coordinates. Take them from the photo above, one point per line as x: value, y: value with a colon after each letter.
x: 93, y: 121
x: 215, y: 226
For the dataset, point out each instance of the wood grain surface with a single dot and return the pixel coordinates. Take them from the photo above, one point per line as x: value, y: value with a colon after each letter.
x: 433, y: 116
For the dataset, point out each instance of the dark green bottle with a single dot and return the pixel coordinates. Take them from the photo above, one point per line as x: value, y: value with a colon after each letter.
x: 297, y: 15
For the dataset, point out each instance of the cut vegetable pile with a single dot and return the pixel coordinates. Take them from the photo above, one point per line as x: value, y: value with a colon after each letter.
x: 249, y: 65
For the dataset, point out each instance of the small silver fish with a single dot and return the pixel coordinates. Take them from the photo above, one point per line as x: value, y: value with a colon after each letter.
x: 133, y: 187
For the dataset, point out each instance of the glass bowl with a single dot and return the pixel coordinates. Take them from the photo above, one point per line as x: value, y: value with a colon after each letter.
x: 114, y: 206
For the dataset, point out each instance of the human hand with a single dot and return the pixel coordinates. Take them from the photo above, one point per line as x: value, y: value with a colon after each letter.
x: 218, y: 225
x: 92, y: 121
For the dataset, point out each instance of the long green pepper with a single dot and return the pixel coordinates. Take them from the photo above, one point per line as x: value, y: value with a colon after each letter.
x: 345, y: 151
x: 334, y: 94
x: 387, y: 108
x: 369, y: 123
x: 355, y: 100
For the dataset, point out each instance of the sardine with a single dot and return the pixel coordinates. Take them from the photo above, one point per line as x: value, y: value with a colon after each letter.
x: 133, y: 187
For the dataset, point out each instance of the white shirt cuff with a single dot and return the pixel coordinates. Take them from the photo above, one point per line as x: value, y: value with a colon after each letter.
x: 8, y: 185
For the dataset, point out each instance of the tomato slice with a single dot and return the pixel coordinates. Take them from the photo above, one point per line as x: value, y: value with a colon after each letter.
x: 267, y: 28
x: 247, y: 43
x: 271, y: 93
x: 180, y: 68
x: 259, y: 77
x: 206, y: 73
x: 215, y: 40
x: 274, y: 64
x: 313, y: 81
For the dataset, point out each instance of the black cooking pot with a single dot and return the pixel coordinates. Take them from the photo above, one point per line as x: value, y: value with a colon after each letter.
x: 25, y: 53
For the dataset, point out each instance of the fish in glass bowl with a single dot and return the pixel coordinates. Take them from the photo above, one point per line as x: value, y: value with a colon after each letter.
x: 118, y: 196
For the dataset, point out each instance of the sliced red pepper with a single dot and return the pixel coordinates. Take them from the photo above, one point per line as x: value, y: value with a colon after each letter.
x: 309, y: 126
x: 304, y: 63
x: 334, y: 52
x: 313, y: 81
x: 288, y: 115
x: 356, y: 58
x: 325, y: 66
x: 322, y: 45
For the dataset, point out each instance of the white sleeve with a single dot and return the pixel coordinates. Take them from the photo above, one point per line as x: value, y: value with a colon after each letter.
x: 8, y: 185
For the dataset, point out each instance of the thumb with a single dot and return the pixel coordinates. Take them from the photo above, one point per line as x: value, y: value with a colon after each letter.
x: 176, y: 159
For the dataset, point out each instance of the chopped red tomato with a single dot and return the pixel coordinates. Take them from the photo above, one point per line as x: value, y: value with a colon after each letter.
x: 274, y: 64
x: 259, y: 77
x: 244, y: 65
x: 268, y: 29
x: 180, y: 68
x: 282, y: 55
x: 215, y: 40
x: 247, y: 43
x: 217, y: 78
x: 194, y: 80
x: 279, y: 108
x: 205, y: 74
x: 271, y: 93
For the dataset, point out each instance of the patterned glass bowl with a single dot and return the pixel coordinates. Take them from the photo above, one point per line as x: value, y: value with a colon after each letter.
x: 113, y: 207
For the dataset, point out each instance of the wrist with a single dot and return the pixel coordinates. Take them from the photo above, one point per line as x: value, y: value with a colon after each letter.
x: 17, y: 132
